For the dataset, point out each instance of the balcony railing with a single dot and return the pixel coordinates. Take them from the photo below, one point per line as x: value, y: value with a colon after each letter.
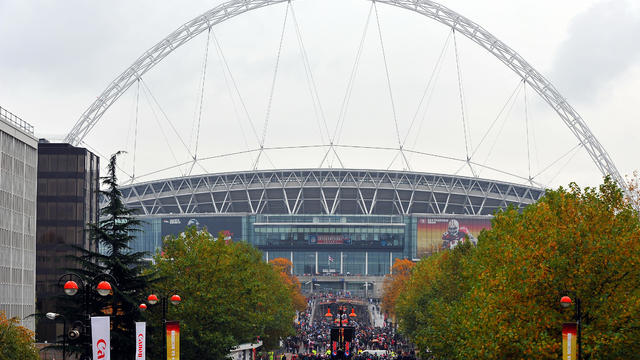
x: 14, y: 120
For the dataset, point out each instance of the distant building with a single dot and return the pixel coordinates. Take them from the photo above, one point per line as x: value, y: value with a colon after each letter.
x: 68, y: 180
x: 18, y: 162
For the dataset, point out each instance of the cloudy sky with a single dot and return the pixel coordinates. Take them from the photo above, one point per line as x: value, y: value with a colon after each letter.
x: 56, y: 57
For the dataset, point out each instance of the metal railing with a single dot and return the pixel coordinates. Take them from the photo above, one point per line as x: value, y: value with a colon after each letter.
x: 14, y: 120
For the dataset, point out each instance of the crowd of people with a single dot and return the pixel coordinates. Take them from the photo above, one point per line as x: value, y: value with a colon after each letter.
x: 313, y: 340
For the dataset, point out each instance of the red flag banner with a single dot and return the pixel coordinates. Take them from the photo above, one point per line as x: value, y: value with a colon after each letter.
x: 173, y: 340
x: 569, y: 341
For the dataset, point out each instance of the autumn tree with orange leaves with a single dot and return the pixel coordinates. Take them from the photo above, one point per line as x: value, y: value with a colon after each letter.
x: 16, y: 342
x: 394, y: 284
x: 284, y: 266
x: 500, y: 300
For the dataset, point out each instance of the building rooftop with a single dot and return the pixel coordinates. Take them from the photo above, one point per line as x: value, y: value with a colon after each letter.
x: 15, y: 121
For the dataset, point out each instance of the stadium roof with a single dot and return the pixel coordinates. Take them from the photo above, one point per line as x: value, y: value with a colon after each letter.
x: 327, y: 191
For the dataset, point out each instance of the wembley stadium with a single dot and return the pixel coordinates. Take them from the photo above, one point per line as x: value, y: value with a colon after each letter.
x: 342, y: 227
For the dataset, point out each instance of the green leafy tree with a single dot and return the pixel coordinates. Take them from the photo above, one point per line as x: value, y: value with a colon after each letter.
x: 16, y: 342
x: 229, y: 296
x: 113, y: 233
x: 501, y: 299
x: 428, y: 306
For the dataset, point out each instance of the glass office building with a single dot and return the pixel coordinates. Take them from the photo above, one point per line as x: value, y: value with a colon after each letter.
x: 68, y: 183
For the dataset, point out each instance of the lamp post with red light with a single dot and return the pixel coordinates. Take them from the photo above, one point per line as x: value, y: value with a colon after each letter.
x: 153, y: 299
x: 565, y: 302
x: 87, y: 287
x: 342, y: 320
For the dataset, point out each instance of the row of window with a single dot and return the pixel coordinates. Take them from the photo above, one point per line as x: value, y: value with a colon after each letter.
x: 59, y: 210
x: 61, y: 162
x: 18, y: 310
x: 17, y: 240
x: 335, y: 230
x: 17, y: 148
x: 16, y: 258
x: 17, y: 186
x: 336, y: 263
x: 17, y: 168
x: 330, y: 219
x: 305, y: 240
x: 15, y: 277
x: 11, y: 220
x: 15, y: 163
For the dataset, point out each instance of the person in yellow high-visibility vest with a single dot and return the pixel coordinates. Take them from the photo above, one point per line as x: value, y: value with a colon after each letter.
x: 328, y: 352
x: 314, y: 352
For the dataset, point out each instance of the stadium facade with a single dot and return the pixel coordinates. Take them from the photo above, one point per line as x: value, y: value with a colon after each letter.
x: 342, y: 229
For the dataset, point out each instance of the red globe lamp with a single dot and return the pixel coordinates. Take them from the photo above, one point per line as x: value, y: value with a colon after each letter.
x: 70, y: 288
x: 328, y: 314
x: 175, y: 299
x: 104, y: 288
x: 152, y: 299
x: 143, y: 307
x: 565, y: 301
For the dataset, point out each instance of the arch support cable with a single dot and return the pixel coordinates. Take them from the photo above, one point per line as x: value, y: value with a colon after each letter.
x: 273, y: 87
x: 135, y: 132
x: 388, y: 75
x: 202, y: 87
x: 347, y: 95
x: 463, y: 115
x: 428, y: 8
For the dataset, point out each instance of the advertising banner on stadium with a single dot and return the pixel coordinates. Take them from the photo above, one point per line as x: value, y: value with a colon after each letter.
x: 329, y: 239
x: 438, y: 233
x: 100, y: 338
x: 569, y: 343
x: 141, y: 339
x: 214, y: 224
x: 173, y: 340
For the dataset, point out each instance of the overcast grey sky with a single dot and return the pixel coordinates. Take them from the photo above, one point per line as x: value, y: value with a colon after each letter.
x: 56, y: 57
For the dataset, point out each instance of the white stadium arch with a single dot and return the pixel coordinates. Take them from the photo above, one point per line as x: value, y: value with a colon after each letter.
x: 430, y: 9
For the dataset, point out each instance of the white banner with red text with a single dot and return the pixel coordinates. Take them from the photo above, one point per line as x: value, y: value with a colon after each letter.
x: 141, y: 339
x: 100, y: 338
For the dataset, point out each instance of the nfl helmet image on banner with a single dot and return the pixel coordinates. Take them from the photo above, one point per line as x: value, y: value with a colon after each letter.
x: 100, y: 338
x: 141, y: 339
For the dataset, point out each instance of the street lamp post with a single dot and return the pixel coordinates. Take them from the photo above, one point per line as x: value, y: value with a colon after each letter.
x: 53, y: 316
x: 103, y: 288
x: 164, y: 302
x: 366, y: 289
x: 342, y: 319
x: 565, y: 302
